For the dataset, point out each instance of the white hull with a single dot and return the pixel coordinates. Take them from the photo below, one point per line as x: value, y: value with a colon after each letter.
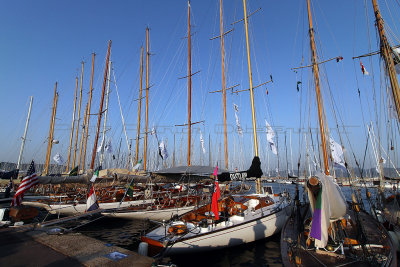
x: 69, y: 209
x: 235, y: 231
x: 157, y: 215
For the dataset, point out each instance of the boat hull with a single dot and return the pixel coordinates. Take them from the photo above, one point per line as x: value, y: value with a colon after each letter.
x: 228, y: 236
x: 70, y: 209
x: 157, y: 215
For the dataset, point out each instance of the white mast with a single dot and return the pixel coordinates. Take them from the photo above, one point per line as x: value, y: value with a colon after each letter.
x: 105, y: 115
x: 26, y: 130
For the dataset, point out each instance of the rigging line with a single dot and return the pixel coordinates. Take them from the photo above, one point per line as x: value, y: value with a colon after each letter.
x: 170, y: 94
x: 321, y: 11
x: 120, y: 129
x: 372, y: 76
x: 392, y: 17
x: 122, y: 116
x: 264, y: 97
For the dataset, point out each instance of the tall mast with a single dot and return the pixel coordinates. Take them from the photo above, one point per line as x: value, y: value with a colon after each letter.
x: 101, y: 107
x: 79, y: 118
x: 73, y: 125
x: 250, y: 81
x: 88, y: 116
x: 223, y: 83
x: 25, y: 131
x: 51, y: 131
x: 103, y: 140
x: 147, y: 98
x: 140, y: 106
x: 386, y: 54
x: 189, y: 89
x: 318, y: 91
x: 83, y: 133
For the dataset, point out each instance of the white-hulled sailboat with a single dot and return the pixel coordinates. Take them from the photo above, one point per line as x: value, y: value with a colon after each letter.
x: 237, y: 219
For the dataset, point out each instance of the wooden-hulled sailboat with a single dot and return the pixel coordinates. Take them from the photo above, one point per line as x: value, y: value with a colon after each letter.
x: 240, y: 218
x: 69, y: 203
x: 328, y: 231
x: 387, y: 209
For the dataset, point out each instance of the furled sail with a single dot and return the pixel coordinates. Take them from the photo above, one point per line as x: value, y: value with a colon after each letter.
x: 327, y: 203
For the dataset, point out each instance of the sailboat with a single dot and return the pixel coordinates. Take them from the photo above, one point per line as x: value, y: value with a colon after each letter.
x: 229, y: 221
x: 327, y: 231
x: 387, y: 209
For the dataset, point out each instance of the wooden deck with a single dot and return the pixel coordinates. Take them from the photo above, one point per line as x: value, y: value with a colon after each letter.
x: 377, y: 247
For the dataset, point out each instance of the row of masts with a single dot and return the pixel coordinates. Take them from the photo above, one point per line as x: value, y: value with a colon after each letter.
x: 85, y: 126
x: 386, y: 51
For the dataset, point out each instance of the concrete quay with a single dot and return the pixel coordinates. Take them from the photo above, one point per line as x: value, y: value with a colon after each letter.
x: 25, y: 246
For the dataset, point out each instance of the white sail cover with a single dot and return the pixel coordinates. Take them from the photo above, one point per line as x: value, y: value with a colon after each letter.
x: 270, y: 138
x: 333, y: 206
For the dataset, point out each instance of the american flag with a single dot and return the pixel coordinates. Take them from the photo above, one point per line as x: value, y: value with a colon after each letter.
x: 26, y: 183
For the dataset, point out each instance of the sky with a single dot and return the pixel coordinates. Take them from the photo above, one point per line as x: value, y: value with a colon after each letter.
x: 44, y: 42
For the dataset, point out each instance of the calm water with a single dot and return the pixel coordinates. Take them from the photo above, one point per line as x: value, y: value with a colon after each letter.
x: 126, y: 233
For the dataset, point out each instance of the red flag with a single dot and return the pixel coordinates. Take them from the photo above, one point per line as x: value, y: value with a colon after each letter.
x: 364, y: 71
x: 216, y: 196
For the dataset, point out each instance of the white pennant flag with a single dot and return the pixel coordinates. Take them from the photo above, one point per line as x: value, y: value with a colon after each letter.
x: 337, y: 153
x: 202, y: 143
x: 239, y: 128
x: 108, y: 147
x: 163, y: 150
x: 270, y: 138
x: 58, y: 159
x: 101, y: 146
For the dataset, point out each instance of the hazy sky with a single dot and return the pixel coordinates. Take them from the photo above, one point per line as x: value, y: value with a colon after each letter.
x: 45, y: 41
